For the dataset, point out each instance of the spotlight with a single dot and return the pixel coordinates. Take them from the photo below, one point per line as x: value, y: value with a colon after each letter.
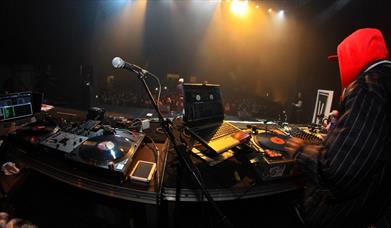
x: 281, y: 13
x: 269, y: 10
x: 239, y: 8
x: 257, y: 6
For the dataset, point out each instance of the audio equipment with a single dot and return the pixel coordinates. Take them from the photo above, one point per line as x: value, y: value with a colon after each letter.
x: 269, y: 157
x: 109, y: 152
x: 64, y: 141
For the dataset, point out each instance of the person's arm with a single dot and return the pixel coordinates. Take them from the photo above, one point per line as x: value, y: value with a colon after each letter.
x: 355, y: 148
x: 298, y: 104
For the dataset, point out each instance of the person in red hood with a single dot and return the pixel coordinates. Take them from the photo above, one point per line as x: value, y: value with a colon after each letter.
x: 349, y: 175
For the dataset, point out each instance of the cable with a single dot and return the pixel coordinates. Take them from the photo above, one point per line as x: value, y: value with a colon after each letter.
x: 184, y: 133
x: 160, y: 86
x: 137, y: 120
x: 156, y: 154
x: 137, y: 123
x: 154, y: 149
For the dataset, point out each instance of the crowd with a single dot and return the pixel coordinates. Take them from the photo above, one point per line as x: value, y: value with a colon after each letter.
x: 253, y: 107
x: 244, y: 108
x: 168, y: 102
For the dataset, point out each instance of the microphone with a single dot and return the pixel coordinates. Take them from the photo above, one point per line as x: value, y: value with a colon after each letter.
x: 119, y: 63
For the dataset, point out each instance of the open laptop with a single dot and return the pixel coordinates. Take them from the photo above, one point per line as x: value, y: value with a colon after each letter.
x: 16, y: 106
x: 204, y: 117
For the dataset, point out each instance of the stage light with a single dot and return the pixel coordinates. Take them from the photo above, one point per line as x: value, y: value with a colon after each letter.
x: 239, y: 7
x: 122, y: 2
x: 257, y: 6
x: 269, y: 10
x: 281, y: 13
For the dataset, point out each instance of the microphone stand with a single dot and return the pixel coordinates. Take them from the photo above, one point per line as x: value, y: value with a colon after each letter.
x: 180, y: 149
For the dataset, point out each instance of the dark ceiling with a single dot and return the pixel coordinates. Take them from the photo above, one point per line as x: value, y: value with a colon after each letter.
x: 69, y: 33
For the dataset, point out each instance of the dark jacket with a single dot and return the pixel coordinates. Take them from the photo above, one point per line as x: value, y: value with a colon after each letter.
x: 350, y: 173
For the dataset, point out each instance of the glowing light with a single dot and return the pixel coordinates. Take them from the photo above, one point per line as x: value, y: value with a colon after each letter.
x: 239, y: 8
x: 281, y: 14
x: 112, y: 152
x: 165, y: 88
x: 269, y: 10
x: 109, y: 145
x: 257, y: 6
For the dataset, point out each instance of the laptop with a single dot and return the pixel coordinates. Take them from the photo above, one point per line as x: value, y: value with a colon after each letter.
x: 204, y: 119
x: 16, y: 106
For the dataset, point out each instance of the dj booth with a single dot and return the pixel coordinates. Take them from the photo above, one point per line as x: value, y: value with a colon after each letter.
x: 233, y: 178
x: 98, y: 155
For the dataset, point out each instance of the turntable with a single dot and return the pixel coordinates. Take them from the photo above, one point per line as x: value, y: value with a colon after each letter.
x: 35, y: 133
x: 272, y: 160
x: 271, y: 141
x: 110, y: 152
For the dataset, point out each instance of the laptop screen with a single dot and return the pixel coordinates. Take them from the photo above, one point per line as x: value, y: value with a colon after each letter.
x: 202, y: 103
x: 15, y: 106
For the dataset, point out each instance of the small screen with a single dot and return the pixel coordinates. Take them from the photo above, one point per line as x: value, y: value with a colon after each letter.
x: 143, y: 169
x: 15, y: 106
x: 202, y: 102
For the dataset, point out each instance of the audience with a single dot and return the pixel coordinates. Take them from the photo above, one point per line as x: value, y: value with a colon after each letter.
x: 242, y: 107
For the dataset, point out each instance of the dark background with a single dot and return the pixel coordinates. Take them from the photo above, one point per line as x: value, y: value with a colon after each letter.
x: 65, y: 48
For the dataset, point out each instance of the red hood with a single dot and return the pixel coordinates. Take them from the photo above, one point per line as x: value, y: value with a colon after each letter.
x: 358, y: 51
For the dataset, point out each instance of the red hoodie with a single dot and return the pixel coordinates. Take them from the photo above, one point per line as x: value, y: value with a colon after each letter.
x: 357, y: 51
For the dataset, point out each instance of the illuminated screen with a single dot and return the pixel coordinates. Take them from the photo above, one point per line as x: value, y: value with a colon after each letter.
x: 143, y: 169
x: 16, y: 105
x: 202, y: 102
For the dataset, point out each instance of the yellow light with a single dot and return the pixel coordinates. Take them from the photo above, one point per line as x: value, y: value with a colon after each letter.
x: 239, y: 8
x: 269, y: 10
x: 257, y: 6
